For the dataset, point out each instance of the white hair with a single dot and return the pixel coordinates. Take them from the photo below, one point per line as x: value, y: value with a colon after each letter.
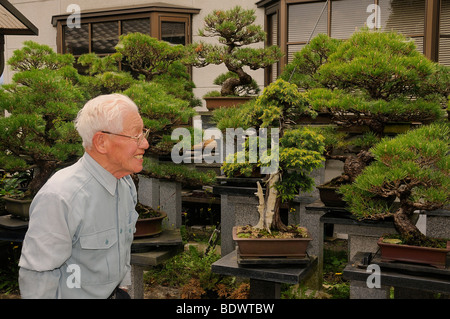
x: 102, y: 113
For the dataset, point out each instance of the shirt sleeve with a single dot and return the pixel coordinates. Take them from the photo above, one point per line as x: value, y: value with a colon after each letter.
x: 47, y: 245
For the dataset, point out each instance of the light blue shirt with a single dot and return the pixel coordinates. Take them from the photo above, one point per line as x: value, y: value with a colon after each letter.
x: 80, y: 232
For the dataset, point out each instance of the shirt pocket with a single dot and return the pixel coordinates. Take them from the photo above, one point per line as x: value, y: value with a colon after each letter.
x: 99, y: 257
x: 131, y: 226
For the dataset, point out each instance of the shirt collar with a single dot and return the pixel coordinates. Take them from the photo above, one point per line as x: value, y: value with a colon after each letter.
x: 105, y: 178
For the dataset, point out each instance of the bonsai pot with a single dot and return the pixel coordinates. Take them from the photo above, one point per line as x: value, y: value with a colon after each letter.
x: 18, y: 207
x: 149, y: 226
x: 415, y: 254
x: 329, y: 196
x: 271, y: 247
x: 216, y: 102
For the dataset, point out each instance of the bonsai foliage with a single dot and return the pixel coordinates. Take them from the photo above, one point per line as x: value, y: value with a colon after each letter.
x: 413, y: 167
x: 47, y: 93
x: 299, y: 151
x: 235, y: 29
x: 42, y: 102
x: 371, y: 79
x: 158, y: 83
x: 161, y: 113
x: 147, y: 55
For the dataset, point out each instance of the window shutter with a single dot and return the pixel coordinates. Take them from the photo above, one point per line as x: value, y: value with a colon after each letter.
x: 404, y: 16
x: 347, y: 16
x: 302, y: 19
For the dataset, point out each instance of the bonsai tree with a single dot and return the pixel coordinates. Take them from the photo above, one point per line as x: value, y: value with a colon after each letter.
x: 43, y: 100
x: 158, y: 83
x: 371, y: 79
x: 235, y: 29
x: 413, y: 167
x: 142, y: 57
x: 298, y: 153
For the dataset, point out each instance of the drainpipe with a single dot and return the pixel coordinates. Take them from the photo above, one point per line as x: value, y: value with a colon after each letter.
x: 2, y: 53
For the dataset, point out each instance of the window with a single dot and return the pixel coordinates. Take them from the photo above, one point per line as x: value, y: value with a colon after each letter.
x: 406, y: 17
x: 305, y: 22
x: 99, y: 31
x: 301, y: 20
x: 444, y: 41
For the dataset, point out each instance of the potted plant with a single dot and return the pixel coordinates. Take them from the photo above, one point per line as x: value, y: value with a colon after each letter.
x: 44, y: 98
x: 369, y: 81
x: 235, y: 29
x: 413, y: 167
x: 298, y: 153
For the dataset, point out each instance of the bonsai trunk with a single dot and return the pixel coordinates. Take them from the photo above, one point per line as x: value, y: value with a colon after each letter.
x: 269, y: 205
x: 43, y: 172
x: 353, y: 165
x: 404, y: 225
x: 229, y: 86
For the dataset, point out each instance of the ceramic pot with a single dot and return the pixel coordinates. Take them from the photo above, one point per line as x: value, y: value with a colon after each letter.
x: 18, y: 207
x: 329, y: 196
x: 271, y: 247
x: 217, y: 102
x: 415, y: 254
x: 149, y: 226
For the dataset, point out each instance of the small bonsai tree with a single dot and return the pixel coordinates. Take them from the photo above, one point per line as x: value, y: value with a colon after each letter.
x: 235, y: 29
x: 413, y: 167
x: 299, y: 151
x: 371, y: 79
x: 38, y: 133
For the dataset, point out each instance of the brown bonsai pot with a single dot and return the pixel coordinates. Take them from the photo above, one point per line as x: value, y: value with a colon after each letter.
x: 329, y: 196
x: 18, y: 207
x: 149, y: 226
x: 422, y: 255
x: 271, y: 247
x: 216, y: 102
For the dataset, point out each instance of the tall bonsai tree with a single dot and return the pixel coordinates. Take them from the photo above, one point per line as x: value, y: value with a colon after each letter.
x: 299, y: 151
x: 235, y: 29
x: 413, y: 167
x: 371, y: 79
x: 38, y: 133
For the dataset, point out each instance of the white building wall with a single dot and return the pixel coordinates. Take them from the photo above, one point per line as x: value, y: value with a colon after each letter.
x: 40, y: 13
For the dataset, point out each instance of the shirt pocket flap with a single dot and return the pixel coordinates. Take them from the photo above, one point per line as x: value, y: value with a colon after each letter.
x: 101, y: 240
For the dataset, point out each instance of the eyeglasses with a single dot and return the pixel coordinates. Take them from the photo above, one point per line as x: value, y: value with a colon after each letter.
x: 139, y: 139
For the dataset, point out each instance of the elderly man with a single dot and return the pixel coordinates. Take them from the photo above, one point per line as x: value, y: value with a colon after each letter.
x: 82, y: 220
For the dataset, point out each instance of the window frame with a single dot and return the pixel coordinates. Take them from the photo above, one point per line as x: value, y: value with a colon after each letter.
x: 156, y: 14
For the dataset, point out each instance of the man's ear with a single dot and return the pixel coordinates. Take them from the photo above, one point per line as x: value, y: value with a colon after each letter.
x: 100, y: 142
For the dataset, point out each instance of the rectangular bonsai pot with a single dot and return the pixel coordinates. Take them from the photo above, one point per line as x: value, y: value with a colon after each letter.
x: 271, y: 247
x: 421, y: 255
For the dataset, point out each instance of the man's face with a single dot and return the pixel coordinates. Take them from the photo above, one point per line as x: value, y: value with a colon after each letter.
x: 125, y: 156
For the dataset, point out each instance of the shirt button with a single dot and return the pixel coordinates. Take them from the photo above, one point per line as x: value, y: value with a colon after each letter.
x: 121, y: 230
x: 106, y: 242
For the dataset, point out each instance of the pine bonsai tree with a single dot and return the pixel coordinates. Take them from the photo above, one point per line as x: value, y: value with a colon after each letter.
x: 235, y: 29
x: 371, y: 79
x: 413, y: 167
x: 38, y: 133
x: 299, y: 151
x: 158, y: 83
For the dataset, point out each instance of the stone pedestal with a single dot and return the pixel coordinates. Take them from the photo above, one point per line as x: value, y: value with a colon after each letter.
x: 236, y: 210
x: 438, y: 223
x: 162, y: 194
